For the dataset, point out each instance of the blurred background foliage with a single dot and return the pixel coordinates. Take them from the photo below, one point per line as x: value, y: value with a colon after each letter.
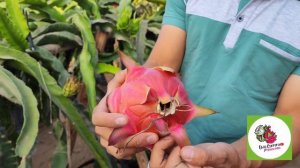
x: 56, y: 57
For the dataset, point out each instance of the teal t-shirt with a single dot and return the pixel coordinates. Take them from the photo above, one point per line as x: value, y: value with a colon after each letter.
x: 238, y: 56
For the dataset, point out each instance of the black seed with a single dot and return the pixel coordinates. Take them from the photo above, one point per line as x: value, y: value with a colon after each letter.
x: 164, y: 107
x: 161, y: 106
x: 168, y: 105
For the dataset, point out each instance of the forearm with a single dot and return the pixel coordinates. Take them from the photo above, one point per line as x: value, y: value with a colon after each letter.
x: 241, y: 148
x: 288, y: 104
x: 169, y: 48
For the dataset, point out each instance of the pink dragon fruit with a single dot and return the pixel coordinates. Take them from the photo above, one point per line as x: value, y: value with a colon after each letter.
x: 154, y: 99
x: 270, y: 136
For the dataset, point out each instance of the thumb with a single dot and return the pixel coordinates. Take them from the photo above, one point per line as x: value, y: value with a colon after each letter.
x: 126, y: 60
x: 193, y: 155
x: 117, y: 81
x: 210, y: 154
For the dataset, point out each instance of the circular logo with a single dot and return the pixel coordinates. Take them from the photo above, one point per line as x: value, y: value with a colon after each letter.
x: 269, y: 137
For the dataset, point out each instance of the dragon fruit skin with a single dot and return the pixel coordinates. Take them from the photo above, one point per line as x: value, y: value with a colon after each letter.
x: 270, y: 136
x: 154, y: 99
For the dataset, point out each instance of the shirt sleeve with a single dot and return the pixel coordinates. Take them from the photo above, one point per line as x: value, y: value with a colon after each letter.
x: 297, y: 70
x: 175, y: 13
x: 206, y: 129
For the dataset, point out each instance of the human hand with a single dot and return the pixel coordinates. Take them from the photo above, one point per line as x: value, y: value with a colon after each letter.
x: 105, y: 122
x: 166, y: 153
x: 204, y: 155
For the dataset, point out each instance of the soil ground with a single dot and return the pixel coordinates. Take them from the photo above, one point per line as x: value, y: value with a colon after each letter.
x: 43, y: 152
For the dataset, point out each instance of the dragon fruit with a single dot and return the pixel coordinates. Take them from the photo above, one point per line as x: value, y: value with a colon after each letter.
x: 270, y: 136
x: 155, y: 100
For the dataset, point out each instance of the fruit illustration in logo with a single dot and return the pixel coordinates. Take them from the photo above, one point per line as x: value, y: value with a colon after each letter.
x: 265, y: 134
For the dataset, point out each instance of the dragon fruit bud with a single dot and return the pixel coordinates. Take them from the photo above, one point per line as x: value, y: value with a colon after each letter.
x: 155, y: 100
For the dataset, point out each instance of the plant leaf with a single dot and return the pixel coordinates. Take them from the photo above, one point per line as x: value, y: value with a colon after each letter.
x: 56, y: 27
x: 2, y: 4
x: 108, y: 57
x: 91, y: 7
x: 7, y: 156
x: 60, y: 38
x: 124, y: 14
x: 34, y: 2
x: 154, y: 29
x: 31, y: 114
x: 49, y: 85
x: 82, y: 22
x: 59, y: 3
x: 60, y: 158
x: 53, y: 13
x: 158, y: 1
x: 125, y: 38
x: 87, y: 58
x: 52, y: 62
x: 15, y: 14
x: 140, y: 41
x: 14, y: 38
x: 8, y: 91
x: 106, y: 68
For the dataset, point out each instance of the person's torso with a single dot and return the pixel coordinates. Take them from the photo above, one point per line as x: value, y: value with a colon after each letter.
x: 239, y: 53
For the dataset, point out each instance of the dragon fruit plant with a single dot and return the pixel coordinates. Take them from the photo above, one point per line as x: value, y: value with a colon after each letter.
x: 155, y: 100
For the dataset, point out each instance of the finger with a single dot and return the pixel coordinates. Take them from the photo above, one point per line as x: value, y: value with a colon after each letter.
x: 123, y: 153
x: 101, y: 117
x: 138, y: 140
x: 159, y: 150
x: 104, y: 143
x: 174, y: 159
x: 120, y: 153
x: 117, y: 81
x: 99, y: 109
x: 103, y: 132
x: 211, y: 155
x: 102, y: 105
x: 111, y: 120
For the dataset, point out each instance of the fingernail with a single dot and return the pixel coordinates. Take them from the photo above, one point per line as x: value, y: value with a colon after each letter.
x: 151, y: 139
x: 121, y: 121
x: 188, y: 153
